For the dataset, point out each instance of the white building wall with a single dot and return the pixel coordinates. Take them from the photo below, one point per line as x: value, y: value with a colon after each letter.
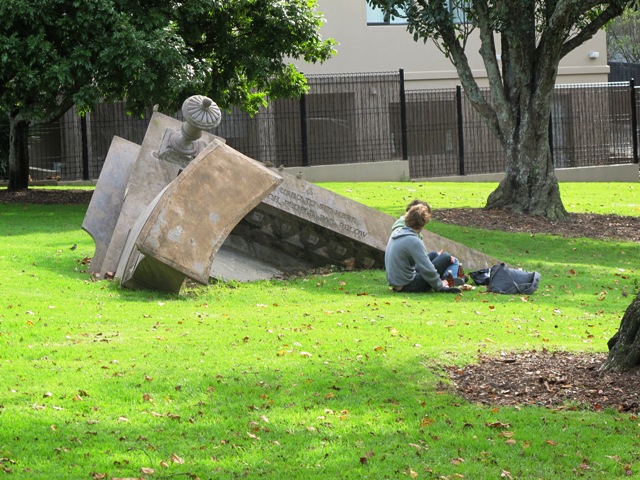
x: 379, y: 48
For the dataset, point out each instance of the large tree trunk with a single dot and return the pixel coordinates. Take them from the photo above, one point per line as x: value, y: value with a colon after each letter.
x: 530, y: 185
x: 18, y: 154
x: 624, y: 346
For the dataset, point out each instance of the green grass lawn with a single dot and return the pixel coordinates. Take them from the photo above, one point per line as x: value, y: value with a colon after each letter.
x: 323, y: 376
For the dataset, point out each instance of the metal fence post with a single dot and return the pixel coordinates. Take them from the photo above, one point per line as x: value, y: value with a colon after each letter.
x: 304, y: 139
x: 403, y: 117
x: 460, y: 128
x: 553, y: 161
x: 85, y: 147
x: 634, y: 120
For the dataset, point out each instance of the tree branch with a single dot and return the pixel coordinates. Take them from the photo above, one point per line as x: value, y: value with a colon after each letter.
x: 456, y: 51
x: 490, y: 60
x: 591, y: 29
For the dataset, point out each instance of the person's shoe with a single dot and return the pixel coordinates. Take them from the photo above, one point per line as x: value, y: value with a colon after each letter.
x: 458, y: 282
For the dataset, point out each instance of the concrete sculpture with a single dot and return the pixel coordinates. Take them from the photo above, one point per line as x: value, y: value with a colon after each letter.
x: 184, y: 204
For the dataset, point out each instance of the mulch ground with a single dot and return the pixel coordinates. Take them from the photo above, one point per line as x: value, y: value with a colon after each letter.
x: 46, y: 196
x: 555, y: 380
x: 579, y: 225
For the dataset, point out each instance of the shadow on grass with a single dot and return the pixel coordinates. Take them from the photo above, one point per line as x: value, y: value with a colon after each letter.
x: 25, y: 220
x: 353, y: 414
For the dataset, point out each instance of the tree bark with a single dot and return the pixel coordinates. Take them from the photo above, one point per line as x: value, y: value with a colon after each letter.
x: 624, y: 346
x: 530, y: 185
x: 18, y: 154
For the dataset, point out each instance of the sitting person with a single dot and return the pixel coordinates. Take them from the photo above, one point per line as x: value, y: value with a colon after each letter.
x: 455, y: 264
x: 408, y: 266
x: 401, y: 222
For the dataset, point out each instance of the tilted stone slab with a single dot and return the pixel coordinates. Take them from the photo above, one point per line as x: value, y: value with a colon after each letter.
x: 149, y: 176
x: 301, y: 225
x: 183, y: 227
x: 232, y: 264
x: 106, y: 202
x: 470, y: 258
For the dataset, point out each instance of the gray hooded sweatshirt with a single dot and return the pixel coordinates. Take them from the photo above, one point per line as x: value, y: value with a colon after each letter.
x: 405, y: 257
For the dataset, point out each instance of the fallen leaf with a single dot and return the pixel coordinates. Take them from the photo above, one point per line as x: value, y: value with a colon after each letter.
x: 425, y: 422
x: 497, y: 425
x: 365, y: 458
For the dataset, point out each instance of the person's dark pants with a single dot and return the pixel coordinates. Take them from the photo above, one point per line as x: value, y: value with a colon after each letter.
x: 418, y: 284
x: 441, y: 261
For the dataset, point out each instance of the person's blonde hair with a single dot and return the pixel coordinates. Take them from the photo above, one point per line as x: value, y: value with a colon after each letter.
x: 417, y: 217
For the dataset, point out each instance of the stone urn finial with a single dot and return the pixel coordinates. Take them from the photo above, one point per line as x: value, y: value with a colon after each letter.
x: 180, y: 147
x: 200, y: 113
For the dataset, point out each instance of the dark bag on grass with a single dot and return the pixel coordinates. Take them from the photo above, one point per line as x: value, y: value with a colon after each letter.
x: 480, y: 277
x: 503, y: 279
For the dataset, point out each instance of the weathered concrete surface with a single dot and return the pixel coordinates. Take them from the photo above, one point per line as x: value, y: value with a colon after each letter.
x: 301, y: 226
x: 187, y: 223
x: 148, y: 177
x: 329, y: 210
x: 470, y: 258
x: 230, y: 264
x: 106, y: 201
x: 380, y: 171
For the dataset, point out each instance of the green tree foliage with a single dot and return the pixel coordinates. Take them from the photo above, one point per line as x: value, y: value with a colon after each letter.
x: 247, y: 45
x: 58, y: 53
x: 522, y: 43
x: 623, y: 37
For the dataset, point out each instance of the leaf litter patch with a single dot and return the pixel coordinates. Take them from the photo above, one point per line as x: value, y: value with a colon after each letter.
x: 557, y: 380
x: 590, y: 225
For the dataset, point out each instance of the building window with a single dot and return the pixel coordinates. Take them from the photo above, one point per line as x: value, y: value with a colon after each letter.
x: 375, y: 16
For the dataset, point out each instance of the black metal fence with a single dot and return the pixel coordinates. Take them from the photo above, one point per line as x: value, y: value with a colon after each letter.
x: 623, y: 72
x: 361, y: 118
